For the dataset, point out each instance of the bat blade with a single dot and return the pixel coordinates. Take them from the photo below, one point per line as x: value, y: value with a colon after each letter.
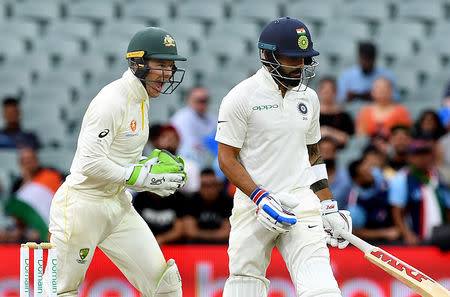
x: 410, y: 276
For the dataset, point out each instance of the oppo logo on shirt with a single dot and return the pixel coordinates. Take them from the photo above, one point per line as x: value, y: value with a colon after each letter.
x: 264, y: 107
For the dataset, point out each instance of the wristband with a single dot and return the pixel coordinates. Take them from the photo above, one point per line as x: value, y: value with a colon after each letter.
x: 329, y: 206
x: 258, y: 194
x: 320, y: 171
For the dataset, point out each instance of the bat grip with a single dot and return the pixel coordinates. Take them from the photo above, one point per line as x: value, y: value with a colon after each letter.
x: 357, y: 242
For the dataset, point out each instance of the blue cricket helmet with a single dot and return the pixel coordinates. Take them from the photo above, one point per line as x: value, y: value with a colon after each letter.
x: 287, y: 37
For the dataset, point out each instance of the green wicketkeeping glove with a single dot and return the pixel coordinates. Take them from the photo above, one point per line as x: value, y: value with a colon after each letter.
x: 166, y: 162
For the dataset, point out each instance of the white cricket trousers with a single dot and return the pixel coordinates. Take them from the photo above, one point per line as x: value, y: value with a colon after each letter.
x: 79, y: 222
x: 303, y: 249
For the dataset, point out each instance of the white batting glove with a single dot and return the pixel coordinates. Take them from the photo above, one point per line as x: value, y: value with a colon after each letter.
x: 271, y: 214
x: 138, y: 177
x: 335, y: 221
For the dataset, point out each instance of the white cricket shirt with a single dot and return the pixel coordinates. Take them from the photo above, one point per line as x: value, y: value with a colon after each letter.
x: 113, y: 134
x: 271, y: 131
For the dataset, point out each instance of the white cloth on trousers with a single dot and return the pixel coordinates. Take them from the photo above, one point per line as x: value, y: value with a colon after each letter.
x: 81, y: 222
x: 303, y: 249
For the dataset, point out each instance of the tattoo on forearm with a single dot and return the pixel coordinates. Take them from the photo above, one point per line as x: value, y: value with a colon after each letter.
x: 313, y: 150
x: 318, y: 161
x: 319, y: 185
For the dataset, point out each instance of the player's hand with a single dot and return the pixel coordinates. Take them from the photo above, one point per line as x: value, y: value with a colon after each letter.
x: 335, y: 221
x: 139, y: 177
x: 163, y: 161
x: 271, y: 214
x: 161, y: 173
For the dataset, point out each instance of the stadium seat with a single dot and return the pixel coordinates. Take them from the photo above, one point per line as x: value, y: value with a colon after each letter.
x: 315, y: 14
x: 55, y: 46
x: 152, y: 12
x: 74, y: 78
x: 19, y: 28
x: 51, y: 129
x: 29, y: 64
x: 412, y: 30
x: 77, y: 28
x: 5, y: 187
x: 110, y: 45
x: 246, y: 64
x: 57, y: 158
x: 226, y: 46
x: 344, y: 27
x: 367, y: 10
x: 424, y: 64
x: 96, y: 11
x: 336, y: 50
x: 122, y: 28
x: 9, y: 158
x: 429, y: 11
x: 261, y: 12
x: 161, y: 109
x: 205, y: 11
x: 88, y: 64
x: 399, y: 46
x: 407, y: 79
x: 12, y: 46
x: 248, y: 30
x: 184, y: 28
x: 42, y: 10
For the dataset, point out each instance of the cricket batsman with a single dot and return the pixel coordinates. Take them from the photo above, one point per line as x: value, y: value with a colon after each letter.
x: 268, y: 132
x: 93, y: 207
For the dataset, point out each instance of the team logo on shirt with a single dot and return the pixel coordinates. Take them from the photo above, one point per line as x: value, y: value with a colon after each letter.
x: 83, y: 254
x: 302, y: 108
x: 133, y: 125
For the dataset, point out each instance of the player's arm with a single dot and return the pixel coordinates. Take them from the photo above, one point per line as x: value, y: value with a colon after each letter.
x: 270, y: 212
x: 233, y: 169
x: 334, y: 220
x: 320, y: 187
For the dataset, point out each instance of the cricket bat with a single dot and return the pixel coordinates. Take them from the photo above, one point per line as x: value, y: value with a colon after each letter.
x: 410, y: 276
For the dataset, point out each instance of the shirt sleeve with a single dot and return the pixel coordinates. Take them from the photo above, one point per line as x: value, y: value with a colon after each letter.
x: 232, y: 121
x: 101, y: 124
x: 313, y: 134
x: 398, y: 190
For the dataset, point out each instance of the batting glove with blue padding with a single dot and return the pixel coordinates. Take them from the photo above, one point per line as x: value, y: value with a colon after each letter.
x: 271, y: 214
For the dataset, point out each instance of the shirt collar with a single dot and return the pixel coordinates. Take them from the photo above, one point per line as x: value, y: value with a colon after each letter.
x: 136, y: 86
x: 266, y: 79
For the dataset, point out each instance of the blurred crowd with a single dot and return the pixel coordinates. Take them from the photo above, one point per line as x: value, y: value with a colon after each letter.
x: 396, y: 184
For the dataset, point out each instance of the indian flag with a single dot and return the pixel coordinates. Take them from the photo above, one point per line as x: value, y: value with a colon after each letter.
x: 32, y: 201
x: 301, y: 31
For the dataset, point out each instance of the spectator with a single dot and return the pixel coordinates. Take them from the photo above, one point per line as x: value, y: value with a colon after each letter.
x: 166, y: 137
x: 334, y: 122
x: 163, y: 216
x: 339, y: 180
x: 194, y: 123
x: 367, y: 202
x: 12, y: 135
x: 208, y: 211
x: 399, y: 141
x: 429, y: 125
x: 32, y: 196
x: 381, y: 115
x: 356, y: 82
x: 443, y: 157
x: 419, y: 198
